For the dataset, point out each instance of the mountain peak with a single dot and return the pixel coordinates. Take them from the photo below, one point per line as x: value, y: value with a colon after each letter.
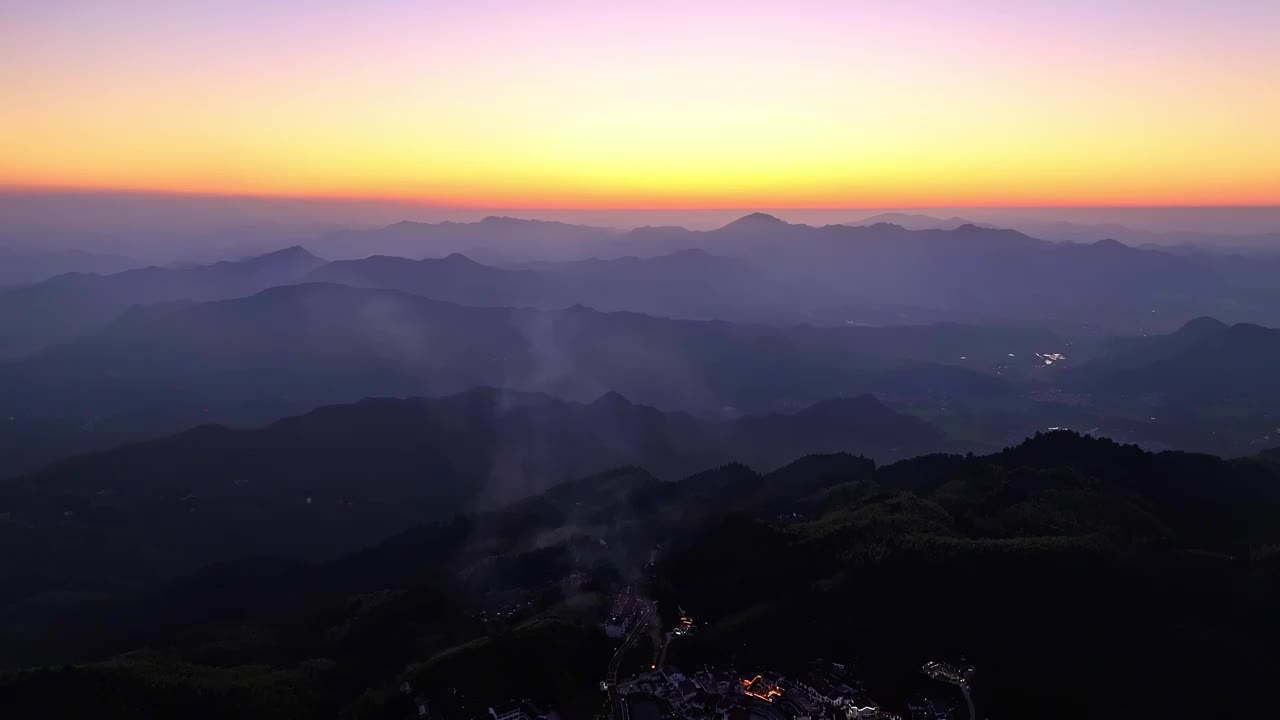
x: 458, y: 259
x: 291, y: 253
x: 1203, y: 325
x: 755, y: 221
x: 612, y: 401
x: 914, y: 221
x: 1110, y: 244
x: 508, y: 221
x: 1251, y: 332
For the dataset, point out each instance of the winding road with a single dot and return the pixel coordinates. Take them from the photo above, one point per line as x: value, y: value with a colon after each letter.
x: 611, y: 678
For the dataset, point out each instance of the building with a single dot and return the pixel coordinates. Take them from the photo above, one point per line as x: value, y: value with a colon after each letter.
x: 761, y: 688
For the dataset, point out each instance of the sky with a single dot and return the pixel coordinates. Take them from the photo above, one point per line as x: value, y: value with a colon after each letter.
x: 656, y: 104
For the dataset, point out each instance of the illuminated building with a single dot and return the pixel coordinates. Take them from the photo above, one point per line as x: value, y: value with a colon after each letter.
x: 758, y: 687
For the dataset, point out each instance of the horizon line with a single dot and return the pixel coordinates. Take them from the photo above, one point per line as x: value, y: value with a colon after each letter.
x: 427, y: 202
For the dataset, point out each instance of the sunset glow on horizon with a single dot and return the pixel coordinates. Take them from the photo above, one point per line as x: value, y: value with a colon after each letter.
x: 573, y: 103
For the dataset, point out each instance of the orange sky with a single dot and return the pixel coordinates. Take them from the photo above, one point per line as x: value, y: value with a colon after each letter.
x: 661, y: 104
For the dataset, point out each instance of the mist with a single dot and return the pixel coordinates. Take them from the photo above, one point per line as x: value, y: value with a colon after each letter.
x: 167, y: 228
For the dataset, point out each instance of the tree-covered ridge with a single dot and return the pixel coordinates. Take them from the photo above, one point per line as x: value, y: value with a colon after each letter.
x: 1084, y: 579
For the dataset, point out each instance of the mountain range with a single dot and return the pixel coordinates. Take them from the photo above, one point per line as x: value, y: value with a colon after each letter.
x: 966, y: 271
x: 1184, y: 241
x: 342, y: 477
x: 755, y: 269
x: 285, y: 350
x: 685, y: 284
x: 996, y: 275
x: 284, y: 487
x: 70, y: 304
x: 1206, y: 367
x: 163, y: 367
x: 24, y: 265
x: 916, y: 221
x: 491, y: 239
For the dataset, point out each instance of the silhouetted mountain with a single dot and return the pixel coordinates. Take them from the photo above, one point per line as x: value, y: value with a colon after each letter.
x: 288, y: 349
x: 455, y: 278
x: 1132, y: 352
x: 493, y: 239
x: 916, y: 221
x: 1205, y: 367
x: 507, y: 445
x: 977, y: 271
x: 1200, y: 328
x: 754, y: 223
x: 71, y: 304
x: 1177, y: 241
x: 23, y: 266
x: 951, y: 268
x: 686, y: 284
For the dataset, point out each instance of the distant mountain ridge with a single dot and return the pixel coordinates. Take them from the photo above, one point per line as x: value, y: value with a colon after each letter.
x: 491, y: 239
x: 70, y: 304
x: 1095, y: 288
x: 455, y: 278
x: 24, y: 266
x: 1082, y: 232
x: 1207, y: 364
x: 916, y: 221
x: 881, y: 273
x: 684, y: 284
x: 293, y: 347
x: 164, y: 367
